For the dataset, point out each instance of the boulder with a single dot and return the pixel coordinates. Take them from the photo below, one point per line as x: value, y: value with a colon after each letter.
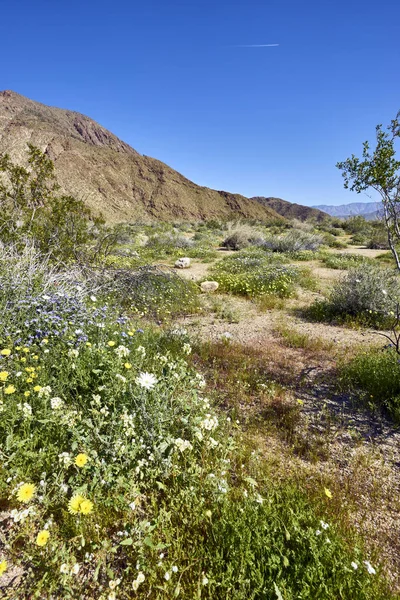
x: 182, y: 263
x: 209, y: 286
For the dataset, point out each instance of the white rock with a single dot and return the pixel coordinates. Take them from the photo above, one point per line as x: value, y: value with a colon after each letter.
x: 209, y: 286
x: 183, y: 263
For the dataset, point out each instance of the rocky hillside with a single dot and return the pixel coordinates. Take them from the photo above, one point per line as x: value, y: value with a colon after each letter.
x: 111, y: 177
x: 290, y: 210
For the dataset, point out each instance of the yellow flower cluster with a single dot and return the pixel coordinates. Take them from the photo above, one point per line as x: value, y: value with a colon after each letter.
x: 42, y: 537
x: 80, y: 504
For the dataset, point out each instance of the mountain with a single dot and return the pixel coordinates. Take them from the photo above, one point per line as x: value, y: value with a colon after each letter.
x: 365, y: 209
x: 290, y: 210
x: 94, y: 165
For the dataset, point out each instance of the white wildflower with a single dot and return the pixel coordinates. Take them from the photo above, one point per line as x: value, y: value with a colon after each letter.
x: 64, y: 568
x: 122, y: 351
x: 324, y: 525
x: 187, y: 349
x: 75, y: 569
x: 56, y: 403
x: 73, y: 353
x: 354, y: 565
x: 44, y: 392
x: 370, y: 568
x: 183, y: 445
x: 167, y: 576
x: 141, y: 350
x: 146, y: 380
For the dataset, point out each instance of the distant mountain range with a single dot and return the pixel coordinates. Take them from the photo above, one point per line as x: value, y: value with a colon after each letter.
x: 368, y: 210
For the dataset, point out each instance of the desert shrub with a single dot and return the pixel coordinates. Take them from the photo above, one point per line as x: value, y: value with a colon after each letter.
x: 34, y: 211
x: 331, y: 241
x: 241, y: 235
x: 367, y: 294
x: 293, y: 241
x: 344, y: 260
x: 375, y: 375
x: 168, y: 243
x: 378, y: 241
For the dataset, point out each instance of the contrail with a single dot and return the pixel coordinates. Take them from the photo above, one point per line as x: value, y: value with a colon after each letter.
x: 256, y: 45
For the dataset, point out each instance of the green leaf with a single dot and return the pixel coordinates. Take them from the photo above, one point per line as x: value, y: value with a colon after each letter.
x: 127, y: 542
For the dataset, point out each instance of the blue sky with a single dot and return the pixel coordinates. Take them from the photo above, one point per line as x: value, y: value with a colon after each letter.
x: 169, y: 78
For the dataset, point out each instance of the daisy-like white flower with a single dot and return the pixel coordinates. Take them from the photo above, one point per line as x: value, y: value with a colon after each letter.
x: 147, y: 380
x: 354, y: 565
x: 64, y: 568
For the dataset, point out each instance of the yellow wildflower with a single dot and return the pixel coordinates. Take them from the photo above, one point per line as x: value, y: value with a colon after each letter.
x: 42, y: 537
x: 45, y: 341
x: 26, y: 492
x: 35, y: 357
x: 75, y: 503
x: 111, y: 343
x: 128, y: 365
x: 10, y: 389
x: 29, y: 380
x: 81, y: 460
x: 27, y: 394
x: 26, y: 350
x: 131, y: 333
x: 23, y: 359
x: 86, y: 507
x: 3, y: 567
x: 328, y: 493
x: 3, y: 375
x: 5, y: 352
x: 88, y: 344
x: 37, y: 388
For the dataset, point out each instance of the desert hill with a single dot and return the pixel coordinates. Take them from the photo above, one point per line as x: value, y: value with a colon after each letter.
x: 94, y: 165
x: 290, y: 210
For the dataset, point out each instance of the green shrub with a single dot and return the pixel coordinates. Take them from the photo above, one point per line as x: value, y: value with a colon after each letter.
x: 367, y: 294
x: 344, y: 260
x: 375, y: 374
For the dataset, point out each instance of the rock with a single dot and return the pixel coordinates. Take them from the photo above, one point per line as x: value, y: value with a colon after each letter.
x: 183, y: 263
x: 209, y: 286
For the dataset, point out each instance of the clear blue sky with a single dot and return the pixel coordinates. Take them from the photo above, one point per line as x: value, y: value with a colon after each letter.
x: 168, y: 78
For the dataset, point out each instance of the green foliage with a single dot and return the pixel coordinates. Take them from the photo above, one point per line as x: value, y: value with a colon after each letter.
x: 344, y: 260
x: 367, y: 295
x: 31, y: 208
x: 375, y: 375
x: 252, y: 274
x: 379, y: 170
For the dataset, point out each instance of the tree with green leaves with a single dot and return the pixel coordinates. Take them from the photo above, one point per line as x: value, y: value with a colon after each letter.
x: 32, y: 208
x: 379, y: 170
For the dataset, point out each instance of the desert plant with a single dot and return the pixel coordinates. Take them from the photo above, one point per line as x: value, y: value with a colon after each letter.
x: 241, y: 235
x: 375, y: 375
x: 367, y: 294
x: 293, y: 241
